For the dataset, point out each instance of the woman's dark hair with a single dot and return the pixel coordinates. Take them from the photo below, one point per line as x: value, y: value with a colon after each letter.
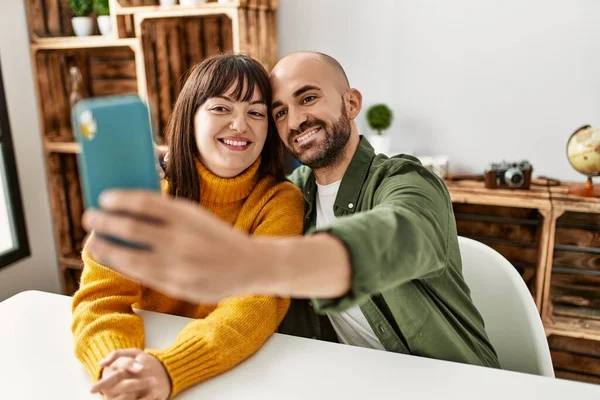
x: 215, y: 76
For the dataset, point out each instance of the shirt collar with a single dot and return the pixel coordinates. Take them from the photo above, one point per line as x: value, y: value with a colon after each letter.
x: 351, y: 182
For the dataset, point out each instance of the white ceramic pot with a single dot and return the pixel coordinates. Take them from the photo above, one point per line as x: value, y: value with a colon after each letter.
x: 83, y: 26
x: 104, y: 24
x: 168, y: 3
x: 191, y: 2
x: 380, y: 143
x: 224, y: 1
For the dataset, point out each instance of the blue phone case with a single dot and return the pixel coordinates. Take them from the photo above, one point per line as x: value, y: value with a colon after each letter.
x: 117, y: 149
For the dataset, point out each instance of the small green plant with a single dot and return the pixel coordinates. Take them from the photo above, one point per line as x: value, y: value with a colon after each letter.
x: 101, y: 7
x: 379, y: 117
x: 80, y: 8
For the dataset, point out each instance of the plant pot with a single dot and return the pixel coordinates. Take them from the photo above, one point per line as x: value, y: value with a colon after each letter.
x: 168, y: 3
x: 83, y: 26
x: 380, y: 143
x: 104, y: 24
x: 187, y: 3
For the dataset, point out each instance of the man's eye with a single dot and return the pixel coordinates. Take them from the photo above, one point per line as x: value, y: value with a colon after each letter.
x: 280, y: 114
x: 308, y: 99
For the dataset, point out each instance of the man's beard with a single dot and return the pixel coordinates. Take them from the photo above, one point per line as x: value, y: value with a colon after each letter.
x: 332, y: 148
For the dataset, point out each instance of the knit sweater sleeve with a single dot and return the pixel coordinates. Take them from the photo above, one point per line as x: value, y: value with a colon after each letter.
x: 103, y: 318
x: 239, y: 326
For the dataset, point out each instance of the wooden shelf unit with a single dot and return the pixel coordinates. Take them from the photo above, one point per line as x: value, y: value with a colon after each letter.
x: 553, y: 239
x: 572, y: 283
x: 148, y: 52
x: 514, y: 223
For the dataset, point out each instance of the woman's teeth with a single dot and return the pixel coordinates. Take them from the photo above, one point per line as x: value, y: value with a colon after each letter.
x: 307, y: 135
x: 235, y: 143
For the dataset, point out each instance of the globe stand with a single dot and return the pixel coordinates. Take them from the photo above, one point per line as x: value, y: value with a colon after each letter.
x: 586, y: 190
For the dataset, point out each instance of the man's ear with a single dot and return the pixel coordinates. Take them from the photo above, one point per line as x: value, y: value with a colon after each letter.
x: 353, y: 103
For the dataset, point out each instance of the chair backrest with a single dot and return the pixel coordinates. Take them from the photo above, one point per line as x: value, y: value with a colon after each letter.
x: 511, y: 317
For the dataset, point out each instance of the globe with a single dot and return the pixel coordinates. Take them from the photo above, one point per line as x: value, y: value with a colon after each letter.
x: 583, y: 153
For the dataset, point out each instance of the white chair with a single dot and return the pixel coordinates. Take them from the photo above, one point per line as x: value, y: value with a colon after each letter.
x: 511, y: 318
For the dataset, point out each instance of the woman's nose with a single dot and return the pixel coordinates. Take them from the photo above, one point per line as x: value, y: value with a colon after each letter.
x: 239, y: 124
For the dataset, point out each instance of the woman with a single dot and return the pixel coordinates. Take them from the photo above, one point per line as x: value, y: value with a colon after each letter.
x: 224, y: 154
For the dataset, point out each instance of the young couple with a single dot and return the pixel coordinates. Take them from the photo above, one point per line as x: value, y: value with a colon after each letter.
x: 378, y: 265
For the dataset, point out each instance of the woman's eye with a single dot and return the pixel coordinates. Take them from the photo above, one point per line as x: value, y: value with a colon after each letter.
x: 280, y: 114
x: 219, y: 109
x: 308, y: 99
x: 257, y: 114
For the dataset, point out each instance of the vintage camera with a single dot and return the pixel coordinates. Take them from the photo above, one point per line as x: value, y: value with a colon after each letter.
x: 508, y: 175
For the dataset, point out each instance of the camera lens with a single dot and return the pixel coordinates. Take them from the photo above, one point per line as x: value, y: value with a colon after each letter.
x: 514, y: 177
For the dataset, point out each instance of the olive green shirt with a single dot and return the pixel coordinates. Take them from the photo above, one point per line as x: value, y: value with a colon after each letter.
x: 395, y: 218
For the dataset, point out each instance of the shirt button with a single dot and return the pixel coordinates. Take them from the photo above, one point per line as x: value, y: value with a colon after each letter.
x: 350, y: 206
x: 381, y: 329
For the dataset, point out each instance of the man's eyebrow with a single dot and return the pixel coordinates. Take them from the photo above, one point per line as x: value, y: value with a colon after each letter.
x: 299, y: 92
x: 304, y: 89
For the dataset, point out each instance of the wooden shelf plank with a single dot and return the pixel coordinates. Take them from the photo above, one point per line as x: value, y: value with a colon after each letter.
x: 573, y: 327
x: 217, y: 7
x: 561, y: 199
x: 62, y: 147
x: 71, y: 262
x: 474, y: 192
x: 178, y: 9
x: 74, y: 42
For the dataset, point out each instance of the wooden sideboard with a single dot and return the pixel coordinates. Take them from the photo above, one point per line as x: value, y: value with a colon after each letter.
x: 553, y: 240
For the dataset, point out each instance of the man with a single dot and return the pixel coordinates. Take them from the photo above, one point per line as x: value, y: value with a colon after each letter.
x: 380, y: 257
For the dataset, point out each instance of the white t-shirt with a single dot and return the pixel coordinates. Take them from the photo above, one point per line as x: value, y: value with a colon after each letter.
x: 351, y: 326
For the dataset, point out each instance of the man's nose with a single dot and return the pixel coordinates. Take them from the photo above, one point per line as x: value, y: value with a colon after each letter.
x: 296, y: 119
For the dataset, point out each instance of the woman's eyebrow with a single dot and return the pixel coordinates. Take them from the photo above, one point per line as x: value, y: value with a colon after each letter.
x: 233, y: 101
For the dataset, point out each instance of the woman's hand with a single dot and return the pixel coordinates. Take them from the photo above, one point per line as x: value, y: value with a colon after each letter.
x: 133, y: 374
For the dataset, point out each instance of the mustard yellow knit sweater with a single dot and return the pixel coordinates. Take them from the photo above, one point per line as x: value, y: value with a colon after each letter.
x: 222, y: 335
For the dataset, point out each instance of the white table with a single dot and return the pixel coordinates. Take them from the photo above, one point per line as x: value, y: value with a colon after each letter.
x: 37, y: 362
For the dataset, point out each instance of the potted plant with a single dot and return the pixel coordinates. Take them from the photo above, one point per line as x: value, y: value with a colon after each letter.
x: 103, y: 16
x: 83, y: 25
x: 379, y: 118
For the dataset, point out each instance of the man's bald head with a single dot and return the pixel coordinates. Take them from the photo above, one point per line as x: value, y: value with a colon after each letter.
x: 314, y: 60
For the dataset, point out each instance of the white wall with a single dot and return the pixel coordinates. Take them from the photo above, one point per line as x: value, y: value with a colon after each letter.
x: 478, y: 80
x: 40, y: 270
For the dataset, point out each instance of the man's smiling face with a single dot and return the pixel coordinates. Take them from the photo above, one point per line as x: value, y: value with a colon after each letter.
x: 309, y: 109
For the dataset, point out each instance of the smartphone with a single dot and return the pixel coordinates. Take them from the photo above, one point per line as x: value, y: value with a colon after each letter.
x: 117, y: 147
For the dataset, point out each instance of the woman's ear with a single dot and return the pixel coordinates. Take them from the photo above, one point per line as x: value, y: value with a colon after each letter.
x: 353, y: 103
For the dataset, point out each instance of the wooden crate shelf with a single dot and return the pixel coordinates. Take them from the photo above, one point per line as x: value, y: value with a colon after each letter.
x: 553, y: 240
x: 513, y: 222
x: 74, y: 42
x: 513, y: 232
x: 572, y: 290
x: 575, y: 359
x: 104, y: 71
x: 148, y: 53
x: 62, y: 147
x: 133, y: 6
x: 66, y: 202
